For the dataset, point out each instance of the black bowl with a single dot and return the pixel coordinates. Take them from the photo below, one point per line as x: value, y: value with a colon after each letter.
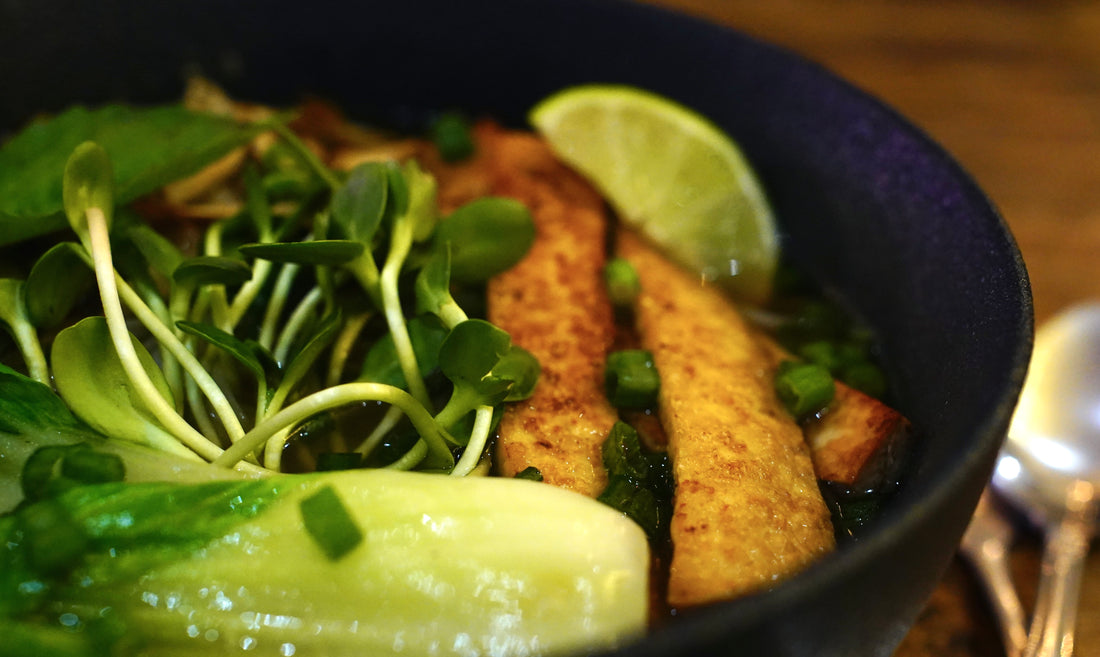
x: 868, y: 204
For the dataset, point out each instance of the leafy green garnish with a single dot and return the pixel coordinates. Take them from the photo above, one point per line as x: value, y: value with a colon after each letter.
x: 149, y: 148
x: 286, y: 291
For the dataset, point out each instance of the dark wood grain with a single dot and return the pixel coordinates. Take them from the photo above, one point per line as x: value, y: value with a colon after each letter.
x: 1012, y: 89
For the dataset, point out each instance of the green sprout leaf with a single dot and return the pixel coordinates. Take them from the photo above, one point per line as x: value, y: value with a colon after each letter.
x: 88, y: 183
x: 522, y: 369
x: 161, y: 254
x: 92, y: 381
x: 471, y: 351
x: 487, y: 236
x: 381, y: 364
x: 58, y: 280
x: 433, y: 289
x: 246, y: 352
x: 332, y: 253
x: 359, y: 205
x: 211, y: 270
x: 16, y: 321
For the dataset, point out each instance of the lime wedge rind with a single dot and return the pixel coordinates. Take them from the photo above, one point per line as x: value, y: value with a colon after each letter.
x: 671, y: 174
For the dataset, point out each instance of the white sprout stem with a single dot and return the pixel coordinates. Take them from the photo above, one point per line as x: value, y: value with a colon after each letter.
x: 411, y: 458
x: 295, y: 323
x: 164, y: 412
x: 247, y: 293
x: 342, y: 347
x: 401, y: 242
x: 452, y: 315
x: 31, y: 348
x: 330, y: 398
x: 274, y: 309
x: 198, y: 409
x: 168, y: 363
x: 215, y: 295
x: 483, y: 421
x: 273, y: 450
x: 166, y: 337
x: 389, y: 421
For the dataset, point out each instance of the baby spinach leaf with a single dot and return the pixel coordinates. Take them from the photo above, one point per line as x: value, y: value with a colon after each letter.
x: 92, y: 381
x: 56, y: 282
x: 149, y: 147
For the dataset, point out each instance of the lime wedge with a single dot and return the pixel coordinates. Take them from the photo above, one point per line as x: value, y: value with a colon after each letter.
x: 671, y: 174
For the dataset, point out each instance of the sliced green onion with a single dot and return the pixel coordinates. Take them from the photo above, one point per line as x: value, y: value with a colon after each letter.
x: 87, y: 466
x: 451, y: 134
x: 623, y: 285
x: 329, y: 524
x: 631, y: 379
x: 39, y: 470
x: 865, y: 377
x: 53, y: 539
x: 804, y: 388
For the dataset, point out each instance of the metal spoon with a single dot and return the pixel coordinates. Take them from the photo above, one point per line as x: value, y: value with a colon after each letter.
x: 1050, y: 467
x: 986, y: 544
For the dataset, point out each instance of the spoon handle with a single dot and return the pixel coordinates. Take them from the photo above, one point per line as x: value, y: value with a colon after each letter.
x: 985, y: 544
x: 1052, y: 626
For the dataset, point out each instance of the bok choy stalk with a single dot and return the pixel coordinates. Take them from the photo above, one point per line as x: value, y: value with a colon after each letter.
x: 362, y: 562
x: 184, y: 558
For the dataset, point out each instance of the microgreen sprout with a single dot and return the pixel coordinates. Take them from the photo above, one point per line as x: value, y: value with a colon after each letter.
x: 265, y: 329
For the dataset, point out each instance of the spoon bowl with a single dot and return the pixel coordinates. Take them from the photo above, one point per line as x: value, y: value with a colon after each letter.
x: 1049, y: 467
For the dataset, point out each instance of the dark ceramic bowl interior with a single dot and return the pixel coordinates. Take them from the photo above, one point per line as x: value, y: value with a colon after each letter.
x: 868, y: 204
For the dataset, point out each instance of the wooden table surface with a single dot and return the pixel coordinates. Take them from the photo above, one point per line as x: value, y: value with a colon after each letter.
x: 1012, y: 89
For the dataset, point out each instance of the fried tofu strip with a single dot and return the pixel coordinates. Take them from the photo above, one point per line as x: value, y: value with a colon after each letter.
x: 859, y: 441
x: 747, y: 509
x: 554, y: 304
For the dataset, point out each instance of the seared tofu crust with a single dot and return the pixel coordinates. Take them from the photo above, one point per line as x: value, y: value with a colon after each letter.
x: 554, y: 304
x: 859, y: 441
x: 747, y: 509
